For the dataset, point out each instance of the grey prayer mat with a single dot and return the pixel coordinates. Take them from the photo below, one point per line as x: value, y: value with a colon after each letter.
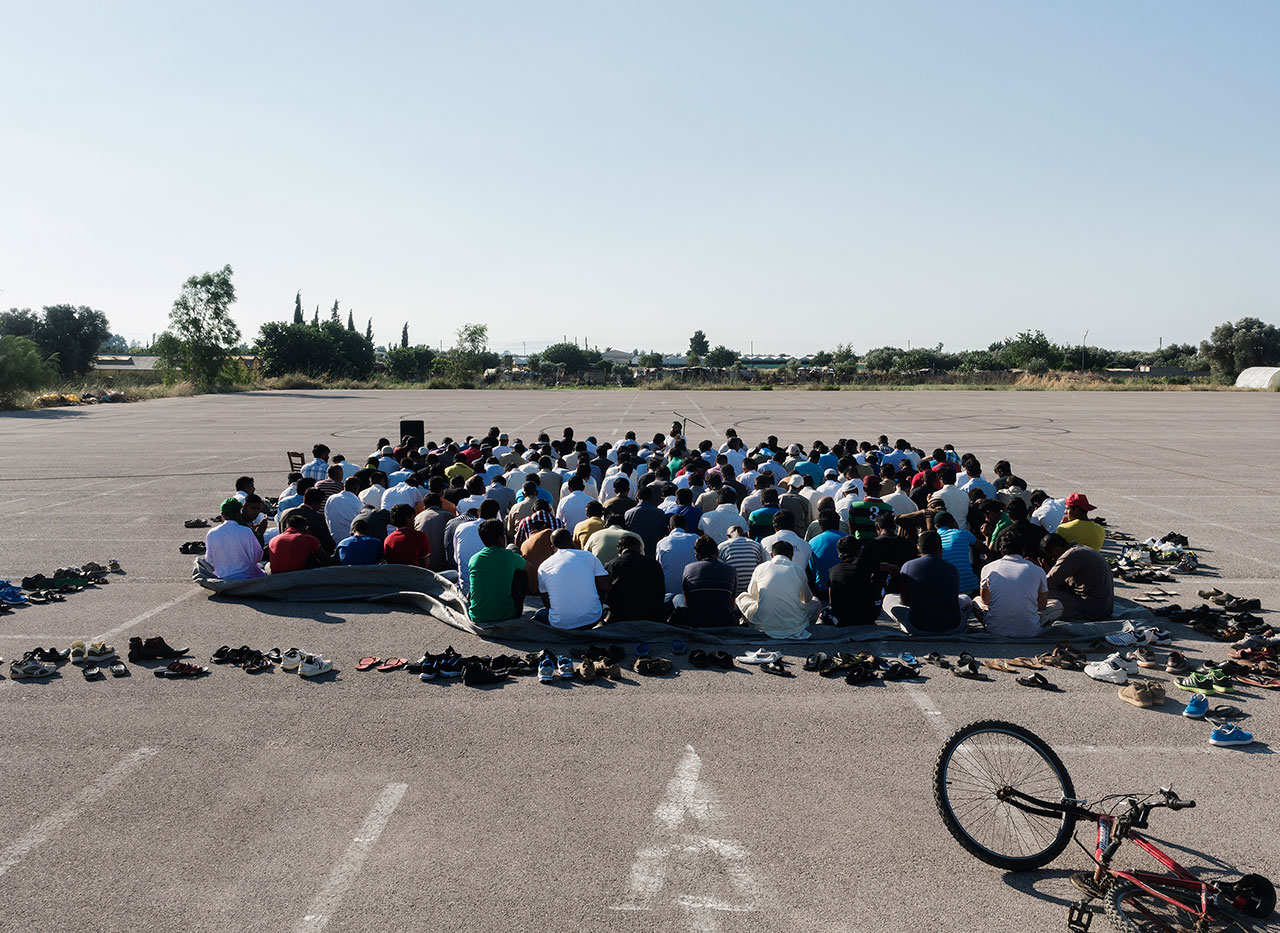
x: 437, y: 597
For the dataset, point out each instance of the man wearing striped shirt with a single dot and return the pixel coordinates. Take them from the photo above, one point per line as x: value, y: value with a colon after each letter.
x: 742, y: 554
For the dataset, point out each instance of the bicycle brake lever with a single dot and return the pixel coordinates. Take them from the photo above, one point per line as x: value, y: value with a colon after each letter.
x: 1168, y: 793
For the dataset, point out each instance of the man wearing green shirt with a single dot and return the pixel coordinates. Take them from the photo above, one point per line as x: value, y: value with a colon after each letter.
x: 498, y: 579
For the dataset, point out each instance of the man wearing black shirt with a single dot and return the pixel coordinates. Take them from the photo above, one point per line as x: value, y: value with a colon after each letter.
x: 636, y: 585
x: 707, y: 589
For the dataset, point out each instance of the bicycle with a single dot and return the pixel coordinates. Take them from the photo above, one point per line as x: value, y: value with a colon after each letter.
x: 1006, y: 797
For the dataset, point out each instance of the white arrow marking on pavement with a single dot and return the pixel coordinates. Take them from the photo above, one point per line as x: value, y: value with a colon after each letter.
x: 688, y: 806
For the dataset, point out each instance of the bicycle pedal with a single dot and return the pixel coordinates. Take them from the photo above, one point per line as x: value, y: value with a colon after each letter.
x: 1079, y: 917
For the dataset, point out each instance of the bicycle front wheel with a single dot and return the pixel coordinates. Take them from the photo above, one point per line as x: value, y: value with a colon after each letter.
x: 977, y: 766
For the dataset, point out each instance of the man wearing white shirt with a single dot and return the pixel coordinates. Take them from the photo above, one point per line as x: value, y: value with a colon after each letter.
x: 231, y: 548
x: 373, y: 495
x: 752, y: 502
x: 674, y: 553
x: 953, y: 500
x: 406, y: 493
x: 341, y: 510
x: 349, y: 469
x: 1047, y: 512
x: 716, y: 523
x: 784, y: 529
x: 899, y: 500
x: 467, y: 543
x: 830, y: 484
x: 778, y: 601
x: 572, y: 509
x: 973, y: 480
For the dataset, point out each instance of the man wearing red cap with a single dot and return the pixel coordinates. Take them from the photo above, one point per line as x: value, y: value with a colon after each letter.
x: 1076, y: 526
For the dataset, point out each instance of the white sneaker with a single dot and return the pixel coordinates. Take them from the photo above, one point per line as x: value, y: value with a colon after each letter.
x: 1127, y: 636
x: 313, y: 664
x: 760, y: 656
x: 291, y: 659
x: 1123, y: 661
x: 1107, y: 671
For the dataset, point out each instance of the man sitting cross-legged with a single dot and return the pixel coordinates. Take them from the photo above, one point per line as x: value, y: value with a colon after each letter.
x: 777, y: 601
x: 573, y: 584
x: 929, y: 601
x: 498, y: 578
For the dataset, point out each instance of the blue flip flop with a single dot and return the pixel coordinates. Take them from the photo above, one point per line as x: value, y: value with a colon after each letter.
x: 677, y: 646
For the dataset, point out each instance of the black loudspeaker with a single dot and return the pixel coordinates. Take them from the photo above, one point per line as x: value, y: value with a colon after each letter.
x: 415, y: 430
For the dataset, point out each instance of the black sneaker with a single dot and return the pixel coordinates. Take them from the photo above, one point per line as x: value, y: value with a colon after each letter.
x: 450, y: 665
x: 481, y: 675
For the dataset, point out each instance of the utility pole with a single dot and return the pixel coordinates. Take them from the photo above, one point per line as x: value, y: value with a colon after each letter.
x: 1082, y: 346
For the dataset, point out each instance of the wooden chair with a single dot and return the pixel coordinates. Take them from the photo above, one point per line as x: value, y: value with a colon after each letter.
x: 296, y: 460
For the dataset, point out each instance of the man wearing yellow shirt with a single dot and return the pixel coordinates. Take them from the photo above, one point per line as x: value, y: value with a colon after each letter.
x: 1076, y: 527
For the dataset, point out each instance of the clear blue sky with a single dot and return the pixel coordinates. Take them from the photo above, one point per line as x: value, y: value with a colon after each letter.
x: 795, y: 175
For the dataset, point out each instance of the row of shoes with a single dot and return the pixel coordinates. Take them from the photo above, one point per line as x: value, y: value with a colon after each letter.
x: 90, y: 573
x: 1228, y: 601
x: 855, y: 668
x: 201, y: 522
x: 251, y: 660
x: 304, y: 663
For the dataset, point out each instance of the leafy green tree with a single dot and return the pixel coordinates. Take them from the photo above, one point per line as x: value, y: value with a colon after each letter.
x: 881, y: 360
x: 333, y: 315
x: 470, y: 354
x: 821, y: 358
x: 651, y: 360
x: 22, y: 366
x: 404, y: 335
x: 351, y: 321
x: 699, y: 345
x: 1020, y: 350
x: 722, y: 357
x: 297, y: 308
x: 315, y: 319
x: 330, y: 350
x: 203, y: 331
x: 1232, y: 348
x: 980, y: 361
x: 571, y: 356
x: 843, y: 353
x: 410, y: 364
x: 68, y: 336
x: 368, y: 330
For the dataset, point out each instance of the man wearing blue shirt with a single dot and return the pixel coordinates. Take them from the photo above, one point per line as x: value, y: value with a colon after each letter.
x: 361, y: 548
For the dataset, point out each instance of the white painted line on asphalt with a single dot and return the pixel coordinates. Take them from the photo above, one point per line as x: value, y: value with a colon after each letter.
x: 59, y: 819
x: 139, y: 619
x: 702, y: 414
x: 348, y: 866
x: 932, y: 715
x: 688, y: 805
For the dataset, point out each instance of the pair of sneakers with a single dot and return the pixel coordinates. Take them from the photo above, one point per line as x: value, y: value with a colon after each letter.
x: 1114, y: 669
x: 11, y: 595
x: 549, y: 669
x: 306, y: 663
x: 1131, y: 635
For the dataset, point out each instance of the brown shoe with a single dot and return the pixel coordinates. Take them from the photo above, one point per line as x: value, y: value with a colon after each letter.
x: 1142, y: 693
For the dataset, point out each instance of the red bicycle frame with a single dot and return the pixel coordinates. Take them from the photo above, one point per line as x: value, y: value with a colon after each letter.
x: 1180, y: 879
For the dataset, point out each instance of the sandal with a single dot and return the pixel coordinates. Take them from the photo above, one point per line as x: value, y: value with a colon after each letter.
x: 93, y: 672
x: 811, y: 663
x: 776, y: 668
x: 1226, y: 713
x: 969, y: 670
x: 997, y: 664
x: 722, y: 660
x: 1259, y: 680
x: 392, y: 664
x: 1036, y: 680
x: 119, y: 670
x: 1027, y: 662
x: 896, y: 670
x: 364, y: 665
x: 934, y: 658
x: 697, y: 657
x: 859, y: 674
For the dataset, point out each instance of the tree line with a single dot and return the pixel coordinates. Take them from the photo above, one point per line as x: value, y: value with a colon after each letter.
x: 202, y: 340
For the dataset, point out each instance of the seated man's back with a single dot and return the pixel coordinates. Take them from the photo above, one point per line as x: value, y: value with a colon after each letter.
x: 708, y: 588
x: 636, y: 591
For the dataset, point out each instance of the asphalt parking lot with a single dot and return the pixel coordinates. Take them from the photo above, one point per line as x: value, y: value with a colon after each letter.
x: 703, y: 801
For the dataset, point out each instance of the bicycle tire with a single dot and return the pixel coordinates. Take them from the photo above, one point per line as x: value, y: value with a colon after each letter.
x: 1042, y: 775
x: 1133, y: 910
